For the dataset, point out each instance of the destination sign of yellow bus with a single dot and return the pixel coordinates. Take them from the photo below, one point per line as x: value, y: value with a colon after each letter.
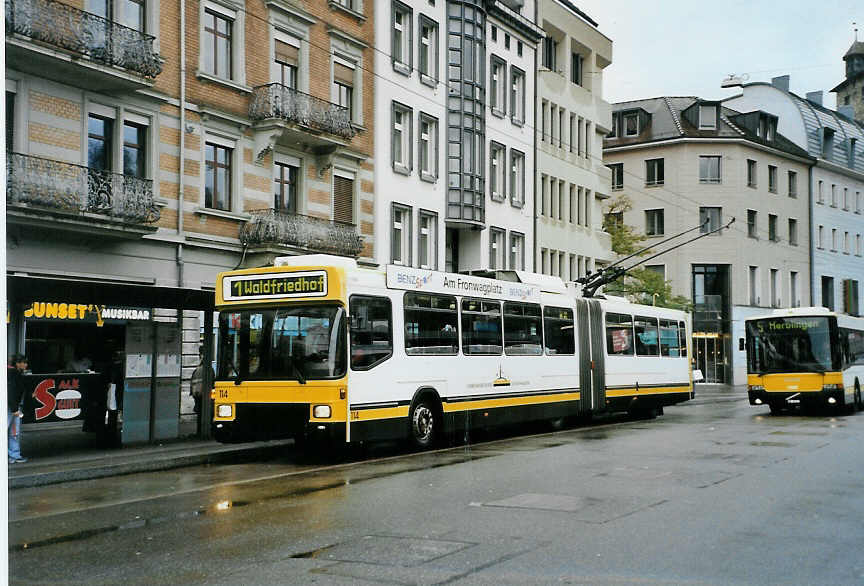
x: 277, y: 286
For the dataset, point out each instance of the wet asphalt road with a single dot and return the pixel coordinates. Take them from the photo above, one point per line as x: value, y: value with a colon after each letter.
x: 714, y: 492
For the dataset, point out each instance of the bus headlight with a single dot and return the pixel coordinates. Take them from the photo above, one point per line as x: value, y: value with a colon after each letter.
x: 225, y: 410
x: 321, y: 411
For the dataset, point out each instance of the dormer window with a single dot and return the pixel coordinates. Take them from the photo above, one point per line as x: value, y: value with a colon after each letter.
x: 707, y: 117
x: 767, y: 128
x: 827, y: 143
x: 631, y: 124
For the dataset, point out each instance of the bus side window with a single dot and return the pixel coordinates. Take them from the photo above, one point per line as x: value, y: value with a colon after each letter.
x: 431, y: 323
x: 558, y: 327
x: 523, y: 334
x: 619, y: 334
x: 481, y: 327
x: 646, y: 336
x: 669, y: 338
x: 371, y: 331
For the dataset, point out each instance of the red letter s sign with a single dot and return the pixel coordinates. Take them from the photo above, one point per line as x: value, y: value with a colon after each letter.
x: 47, y: 399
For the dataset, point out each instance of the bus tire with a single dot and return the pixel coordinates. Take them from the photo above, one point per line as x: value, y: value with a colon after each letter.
x: 425, y: 423
x: 859, y: 404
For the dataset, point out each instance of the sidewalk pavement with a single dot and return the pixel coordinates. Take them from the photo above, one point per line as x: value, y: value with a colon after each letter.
x: 61, y: 452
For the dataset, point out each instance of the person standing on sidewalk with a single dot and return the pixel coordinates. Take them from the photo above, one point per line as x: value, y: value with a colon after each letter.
x: 196, y: 384
x: 15, y: 406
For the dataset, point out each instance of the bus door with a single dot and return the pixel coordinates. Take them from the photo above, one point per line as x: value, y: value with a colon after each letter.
x: 592, y: 381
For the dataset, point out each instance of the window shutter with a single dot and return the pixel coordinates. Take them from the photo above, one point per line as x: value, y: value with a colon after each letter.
x: 286, y: 53
x: 343, y: 200
x: 343, y: 74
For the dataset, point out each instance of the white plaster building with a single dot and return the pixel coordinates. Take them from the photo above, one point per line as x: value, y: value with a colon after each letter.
x: 682, y: 161
x: 836, y: 186
x: 571, y: 181
x: 454, y: 104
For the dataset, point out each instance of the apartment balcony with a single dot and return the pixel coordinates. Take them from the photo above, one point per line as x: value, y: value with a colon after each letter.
x: 60, y: 42
x: 307, y: 234
x: 62, y: 196
x: 283, y: 115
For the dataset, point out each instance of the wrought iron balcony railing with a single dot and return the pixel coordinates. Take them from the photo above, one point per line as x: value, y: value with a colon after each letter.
x: 278, y: 101
x: 69, y: 28
x: 307, y: 232
x: 75, y: 189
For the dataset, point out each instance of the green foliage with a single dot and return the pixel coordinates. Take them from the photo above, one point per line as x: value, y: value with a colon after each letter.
x: 640, y: 285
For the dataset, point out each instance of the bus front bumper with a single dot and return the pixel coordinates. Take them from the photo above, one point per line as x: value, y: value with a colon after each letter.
x: 826, y: 397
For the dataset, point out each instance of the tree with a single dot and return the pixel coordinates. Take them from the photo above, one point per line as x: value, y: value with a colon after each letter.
x: 639, y: 285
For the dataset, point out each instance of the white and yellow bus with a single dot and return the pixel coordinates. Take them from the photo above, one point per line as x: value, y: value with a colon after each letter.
x: 805, y: 356
x: 319, y: 346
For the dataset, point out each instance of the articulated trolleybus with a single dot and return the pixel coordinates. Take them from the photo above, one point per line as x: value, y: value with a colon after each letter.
x: 807, y: 357
x: 316, y: 346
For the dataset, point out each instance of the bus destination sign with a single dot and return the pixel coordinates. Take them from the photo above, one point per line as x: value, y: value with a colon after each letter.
x: 274, y: 286
x: 428, y: 281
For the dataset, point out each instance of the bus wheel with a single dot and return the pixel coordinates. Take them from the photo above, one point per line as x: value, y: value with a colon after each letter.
x: 424, y: 424
x: 775, y: 407
x: 859, y: 404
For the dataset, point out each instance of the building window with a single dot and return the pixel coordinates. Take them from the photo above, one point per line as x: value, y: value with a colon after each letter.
x: 772, y: 178
x: 217, y: 44
x: 752, y: 229
x: 100, y: 132
x: 576, y: 64
x: 343, y: 87
x: 654, y: 222
x: 709, y: 169
x: 427, y: 240
x: 517, y: 178
x: 287, y: 60
x: 772, y: 227
x: 793, y: 289
x: 753, y: 284
x: 134, y: 149
x: 428, y: 51
x: 828, y: 292
x: 847, y: 243
x: 517, y: 251
x: 132, y: 14
x: 793, y: 232
x: 517, y: 95
x: 707, y: 117
x: 631, y: 124
x: 833, y: 195
x: 617, y: 175
x: 710, y: 218
x: 10, y: 122
x: 833, y: 239
x: 793, y: 184
x: 400, y: 236
x: 820, y: 237
x: 285, y: 187
x: 659, y: 269
x: 497, y: 87
x: 775, y: 296
x: 550, y: 50
x: 857, y: 202
x: 497, y: 171
x: 401, y: 139
x: 217, y: 185
x: 654, y: 173
x: 845, y: 199
x: 428, y: 150
x: 496, y: 249
x: 400, y: 53
x: 751, y: 173
x: 343, y: 198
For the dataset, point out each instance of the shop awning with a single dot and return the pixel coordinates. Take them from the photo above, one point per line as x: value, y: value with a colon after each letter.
x: 26, y: 289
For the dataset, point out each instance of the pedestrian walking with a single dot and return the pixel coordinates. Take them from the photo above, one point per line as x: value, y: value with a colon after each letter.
x: 15, y: 406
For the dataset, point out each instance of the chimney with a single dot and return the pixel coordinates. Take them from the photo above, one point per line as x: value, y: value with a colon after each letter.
x: 815, y: 97
x: 847, y: 111
x: 781, y: 82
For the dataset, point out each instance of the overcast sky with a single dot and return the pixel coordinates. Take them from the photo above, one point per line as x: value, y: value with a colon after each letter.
x: 684, y: 48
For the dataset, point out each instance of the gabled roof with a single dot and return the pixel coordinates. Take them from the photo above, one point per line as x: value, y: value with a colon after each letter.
x: 857, y: 48
x: 668, y: 123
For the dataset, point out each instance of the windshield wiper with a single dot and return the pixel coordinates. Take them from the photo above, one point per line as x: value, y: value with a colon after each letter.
x: 301, y: 376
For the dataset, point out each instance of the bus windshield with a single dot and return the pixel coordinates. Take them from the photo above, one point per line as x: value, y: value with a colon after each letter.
x: 791, y: 344
x: 287, y: 343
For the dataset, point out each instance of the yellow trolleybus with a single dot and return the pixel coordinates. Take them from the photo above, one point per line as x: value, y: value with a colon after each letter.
x: 319, y: 346
x: 805, y: 356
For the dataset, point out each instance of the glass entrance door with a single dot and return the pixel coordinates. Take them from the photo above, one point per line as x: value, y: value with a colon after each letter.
x: 710, y: 356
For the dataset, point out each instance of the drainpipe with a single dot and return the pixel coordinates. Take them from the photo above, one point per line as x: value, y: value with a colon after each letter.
x: 181, y: 185
x: 812, y: 236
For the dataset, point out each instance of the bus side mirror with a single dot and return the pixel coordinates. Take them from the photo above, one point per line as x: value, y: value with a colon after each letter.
x: 740, y: 344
